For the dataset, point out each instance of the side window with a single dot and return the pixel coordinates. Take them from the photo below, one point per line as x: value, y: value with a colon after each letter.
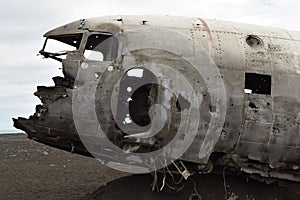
x: 101, y: 47
x: 258, y: 83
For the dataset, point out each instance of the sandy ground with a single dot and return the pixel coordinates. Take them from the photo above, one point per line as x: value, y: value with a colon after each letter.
x: 30, y: 170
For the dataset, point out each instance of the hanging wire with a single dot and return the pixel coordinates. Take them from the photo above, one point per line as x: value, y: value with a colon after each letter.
x: 166, y: 171
x: 224, y: 184
x: 196, y: 194
x: 173, y: 178
x: 154, y: 183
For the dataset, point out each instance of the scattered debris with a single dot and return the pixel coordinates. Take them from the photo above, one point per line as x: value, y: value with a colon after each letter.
x: 233, y: 197
x: 45, y: 153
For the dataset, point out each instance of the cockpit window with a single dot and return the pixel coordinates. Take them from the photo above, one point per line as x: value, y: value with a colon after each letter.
x: 101, y: 47
x: 57, y: 47
x: 72, y: 40
x: 63, y: 42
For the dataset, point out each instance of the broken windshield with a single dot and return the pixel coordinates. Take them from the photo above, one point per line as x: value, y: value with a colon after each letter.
x: 58, y: 46
x: 101, y: 47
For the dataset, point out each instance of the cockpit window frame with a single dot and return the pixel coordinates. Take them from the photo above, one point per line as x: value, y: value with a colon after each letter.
x: 53, y: 37
x: 81, y: 47
x: 79, y: 35
x: 56, y: 55
x: 89, y: 34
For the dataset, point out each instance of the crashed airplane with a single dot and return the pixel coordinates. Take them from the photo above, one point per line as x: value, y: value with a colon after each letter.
x: 149, y: 91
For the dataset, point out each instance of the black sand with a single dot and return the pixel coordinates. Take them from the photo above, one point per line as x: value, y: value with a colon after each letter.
x: 30, y: 170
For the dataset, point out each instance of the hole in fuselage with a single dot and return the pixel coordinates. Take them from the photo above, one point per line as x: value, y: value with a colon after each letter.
x: 182, y: 103
x: 252, y: 105
x: 142, y: 100
x: 138, y: 90
x: 258, y: 83
x: 254, y: 41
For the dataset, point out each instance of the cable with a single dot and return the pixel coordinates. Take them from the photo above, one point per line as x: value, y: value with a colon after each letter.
x: 224, y: 184
x: 196, y: 193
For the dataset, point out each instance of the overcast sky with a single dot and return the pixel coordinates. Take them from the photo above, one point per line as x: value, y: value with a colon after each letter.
x: 23, y: 22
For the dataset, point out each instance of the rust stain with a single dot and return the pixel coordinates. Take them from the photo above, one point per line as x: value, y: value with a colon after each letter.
x: 209, y: 34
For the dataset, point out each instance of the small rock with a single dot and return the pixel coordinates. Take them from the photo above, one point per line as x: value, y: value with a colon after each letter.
x: 45, y: 153
x: 233, y: 197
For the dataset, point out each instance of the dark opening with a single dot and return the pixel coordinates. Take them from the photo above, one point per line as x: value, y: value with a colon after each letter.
x: 213, y: 109
x: 252, y: 105
x: 137, y: 93
x: 182, y: 103
x: 258, y: 83
x: 106, y: 44
x: 254, y: 41
x: 73, y: 40
x: 140, y: 104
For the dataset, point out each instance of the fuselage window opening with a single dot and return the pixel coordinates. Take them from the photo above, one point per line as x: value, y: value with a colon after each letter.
x: 100, y: 47
x: 254, y: 41
x: 258, y: 83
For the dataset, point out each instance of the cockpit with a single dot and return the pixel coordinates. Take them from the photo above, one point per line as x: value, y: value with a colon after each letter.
x: 93, y: 46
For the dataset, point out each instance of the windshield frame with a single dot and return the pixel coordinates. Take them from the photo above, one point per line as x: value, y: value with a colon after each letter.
x: 81, y: 45
x: 55, y: 55
x: 110, y: 37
